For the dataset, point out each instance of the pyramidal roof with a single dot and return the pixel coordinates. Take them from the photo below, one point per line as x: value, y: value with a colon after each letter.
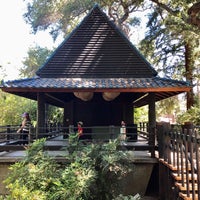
x: 96, y: 49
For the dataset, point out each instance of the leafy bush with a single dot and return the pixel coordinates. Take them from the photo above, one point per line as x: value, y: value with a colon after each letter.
x: 90, y: 172
x: 191, y: 115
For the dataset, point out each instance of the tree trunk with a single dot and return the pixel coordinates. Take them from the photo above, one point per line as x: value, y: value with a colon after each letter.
x: 189, y: 66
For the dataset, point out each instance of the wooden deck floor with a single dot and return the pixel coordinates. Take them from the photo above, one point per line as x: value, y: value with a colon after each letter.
x: 56, y: 144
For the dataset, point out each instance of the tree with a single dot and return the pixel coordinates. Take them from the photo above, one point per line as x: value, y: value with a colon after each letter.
x: 2, y: 70
x: 13, y: 107
x: 36, y: 57
x: 60, y: 17
x: 189, y: 14
x: 169, y: 41
x: 169, y: 107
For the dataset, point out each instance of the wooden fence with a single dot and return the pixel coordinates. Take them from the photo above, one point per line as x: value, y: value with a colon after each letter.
x: 11, y: 140
x: 179, y: 162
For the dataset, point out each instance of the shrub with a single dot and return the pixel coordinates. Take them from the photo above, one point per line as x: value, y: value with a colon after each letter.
x: 191, y: 115
x: 90, y: 172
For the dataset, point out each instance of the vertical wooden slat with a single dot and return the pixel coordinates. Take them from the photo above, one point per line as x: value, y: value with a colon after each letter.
x: 8, y: 131
x: 191, y: 162
x: 185, y: 138
x: 177, y: 153
x: 169, y: 158
x: 182, y: 161
x: 173, y: 149
x: 197, y: 144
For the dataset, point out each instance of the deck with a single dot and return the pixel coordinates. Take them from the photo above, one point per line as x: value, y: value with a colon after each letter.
x: 55, y: 145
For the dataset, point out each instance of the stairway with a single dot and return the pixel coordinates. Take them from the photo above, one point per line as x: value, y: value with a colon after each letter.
x: 184, y: 181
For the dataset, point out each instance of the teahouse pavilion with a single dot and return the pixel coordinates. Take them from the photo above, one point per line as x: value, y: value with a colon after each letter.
x: 97, y: 76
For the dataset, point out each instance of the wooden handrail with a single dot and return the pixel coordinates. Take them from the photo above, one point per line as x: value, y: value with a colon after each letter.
x: 181, y: 156
x: 104, y: 133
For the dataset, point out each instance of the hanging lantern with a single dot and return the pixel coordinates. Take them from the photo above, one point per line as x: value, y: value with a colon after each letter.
x: 109, y: 96
x: 85, y: 96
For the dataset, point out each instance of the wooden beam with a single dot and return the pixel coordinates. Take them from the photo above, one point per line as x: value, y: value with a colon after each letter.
x: 152, y: 122
x: 150, y: 89
x: 40, y: 114
x: 54, y: 98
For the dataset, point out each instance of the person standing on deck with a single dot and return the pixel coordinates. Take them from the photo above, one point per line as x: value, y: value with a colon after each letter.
x: 80, y: 129
x: 25, y: 126
x: 123, y: 132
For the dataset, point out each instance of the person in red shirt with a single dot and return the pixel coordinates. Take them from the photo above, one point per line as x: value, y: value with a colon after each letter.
x: 80, y: 129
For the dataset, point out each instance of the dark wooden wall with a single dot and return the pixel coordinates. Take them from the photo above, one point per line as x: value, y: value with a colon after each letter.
x: 98, y: 112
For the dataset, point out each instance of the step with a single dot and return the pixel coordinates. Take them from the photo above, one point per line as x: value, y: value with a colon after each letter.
x: 172, y: 167
x: 185, y: 197
x: 184, y: 188
x: 179, y: 177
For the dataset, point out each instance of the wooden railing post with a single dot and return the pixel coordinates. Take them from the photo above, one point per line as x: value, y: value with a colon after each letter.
x: 8, y: 131
x: 111, y: 131
x: 197, y: 145
x: 162, y: 128
x: 29, y: 135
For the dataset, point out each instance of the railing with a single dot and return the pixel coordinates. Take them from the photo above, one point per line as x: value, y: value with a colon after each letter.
x: 179, y: 153
x: 11, y: 140
x: 6, y: 132
x: 143, y: 130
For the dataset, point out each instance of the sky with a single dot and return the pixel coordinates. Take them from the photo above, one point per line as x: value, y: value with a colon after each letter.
x: 16, y: 37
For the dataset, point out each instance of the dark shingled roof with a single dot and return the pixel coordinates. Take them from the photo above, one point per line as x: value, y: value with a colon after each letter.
x: 106, y: 83
x: 96, y: 49
x: 62, y: 88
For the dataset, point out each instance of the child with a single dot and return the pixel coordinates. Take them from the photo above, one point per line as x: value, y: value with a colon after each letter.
x: 123, y: 132
x: 80, y: 129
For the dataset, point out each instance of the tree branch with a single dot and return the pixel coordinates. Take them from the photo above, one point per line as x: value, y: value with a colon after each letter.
x: 194, y: 15
x: 165, y: 7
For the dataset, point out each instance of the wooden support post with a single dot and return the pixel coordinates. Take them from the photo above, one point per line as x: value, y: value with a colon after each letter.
x: 162, y: 128
x: 128, y: 113
x: 152, y: 123
x: 68, y: 118
x: 8, y: 131
x: 40, y: 114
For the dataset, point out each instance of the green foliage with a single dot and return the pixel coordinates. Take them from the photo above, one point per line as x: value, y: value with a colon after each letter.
x: 36, y: 57
x: 55, y: 114
x: 141, y: 114
x: 168, y: 106
x: 12, y: 108
x: 168, y: 42
x: 191, y: 115
x: 62, y: 16
x: 40, y: 177
x: 88, y: 173
x: 121, y: 197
